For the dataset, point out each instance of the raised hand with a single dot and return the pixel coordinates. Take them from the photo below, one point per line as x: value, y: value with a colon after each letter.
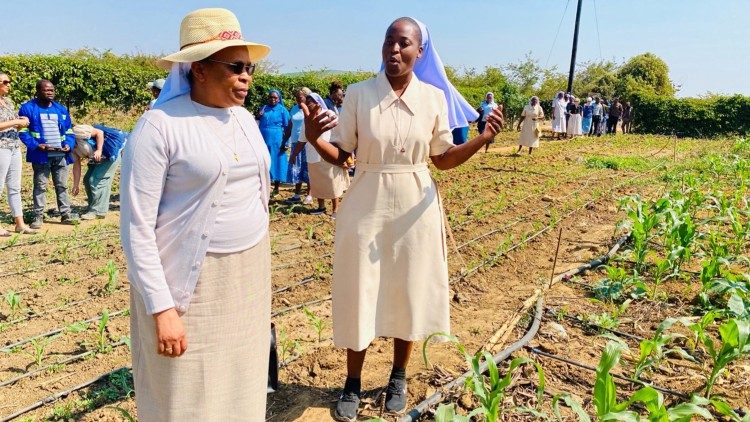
x: 317, y: 121
x: 494, y: 124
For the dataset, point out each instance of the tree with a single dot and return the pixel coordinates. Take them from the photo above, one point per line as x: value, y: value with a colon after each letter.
x: 596, y: 78
x: 644, y: 74
x: 526, y: 74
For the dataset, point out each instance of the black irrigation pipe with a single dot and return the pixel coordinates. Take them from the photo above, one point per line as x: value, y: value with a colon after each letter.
x: 61, y: 394
x: 301, y: 305
x: 519, y: 219
x: 59, y: 308
x: 10, y: 347
x: 51, y: 262
x: 62, y: 362
x: 586, y: 324
x: 620, y: 377
x: 421, y: 408
x: 306, y: 280
x: 291, y: 264
x: 42, y: 238
x: 77, y: 245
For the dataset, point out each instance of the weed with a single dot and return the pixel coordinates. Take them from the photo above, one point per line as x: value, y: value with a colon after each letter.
x: 287, y: 346
x: 13, y: 240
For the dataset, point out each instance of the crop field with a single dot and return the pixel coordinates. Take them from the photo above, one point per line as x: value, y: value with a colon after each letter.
x: 659, y: 331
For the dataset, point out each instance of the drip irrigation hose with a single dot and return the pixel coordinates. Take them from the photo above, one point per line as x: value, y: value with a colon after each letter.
x: 62, y: 362
x: 61, y: 394
x: 10, y: 347
x: 591, y: 368
x: 420, y: 409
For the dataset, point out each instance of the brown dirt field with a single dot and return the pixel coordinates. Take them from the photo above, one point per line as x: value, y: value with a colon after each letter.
x: 514, y: 195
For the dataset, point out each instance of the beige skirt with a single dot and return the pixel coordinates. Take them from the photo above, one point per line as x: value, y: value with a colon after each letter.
x: 224, y: 373
x: 326, y: 180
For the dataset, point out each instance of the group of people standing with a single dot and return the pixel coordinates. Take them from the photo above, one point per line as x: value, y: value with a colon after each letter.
x: 293, y: 160
x: 52, y: 143
x: 595, y: 117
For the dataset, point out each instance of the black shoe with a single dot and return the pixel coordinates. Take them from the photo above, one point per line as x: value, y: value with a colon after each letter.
x: 395, y: 395
x: 318, y: 211
x: 347, y: 407
x: 37, y: 223
x: 69, y: 218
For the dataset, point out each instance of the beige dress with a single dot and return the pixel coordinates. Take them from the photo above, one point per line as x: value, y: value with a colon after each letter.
x: 326, y: 180
x: 532, y: 118
x: 390, y: 272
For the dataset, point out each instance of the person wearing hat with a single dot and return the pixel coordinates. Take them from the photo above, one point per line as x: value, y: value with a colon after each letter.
x: 194, y: 229
x: 155, y: 86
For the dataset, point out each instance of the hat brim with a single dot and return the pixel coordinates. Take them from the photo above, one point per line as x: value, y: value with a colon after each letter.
x: 199, y: 52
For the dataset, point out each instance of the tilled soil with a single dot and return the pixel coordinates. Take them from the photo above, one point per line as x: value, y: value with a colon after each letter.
x: 494, y: 202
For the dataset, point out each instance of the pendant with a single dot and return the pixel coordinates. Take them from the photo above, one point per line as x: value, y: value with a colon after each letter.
x: 236, y: 157
x: 403, y: 149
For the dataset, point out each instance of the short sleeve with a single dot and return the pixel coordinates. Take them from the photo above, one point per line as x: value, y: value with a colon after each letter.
x: 442, y: 137
x: 345, y: 134
x: 523, y: 113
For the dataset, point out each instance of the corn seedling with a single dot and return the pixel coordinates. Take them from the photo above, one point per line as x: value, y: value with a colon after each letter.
x: 96, y: 249
x: 111, y: 270
x: 13, y: 299
x: 572, y: 403
x: 735, y: 343
x: 39, y: 348
x: 64, y: 252
x: 489, y: 390
x: 316, y: 322
x: 101, y: 343
x: 654, y: 350
x: 287, y: 346
x: 310, y: 232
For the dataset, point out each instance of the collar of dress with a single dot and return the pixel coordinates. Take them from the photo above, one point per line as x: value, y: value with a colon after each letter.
x: 410, y: 97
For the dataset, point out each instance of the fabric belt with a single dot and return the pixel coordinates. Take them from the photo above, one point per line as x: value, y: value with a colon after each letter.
x: 391, y: 168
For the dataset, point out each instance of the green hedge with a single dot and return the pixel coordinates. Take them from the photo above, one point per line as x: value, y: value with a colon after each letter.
x: 84, y: 79
x: 697, y: 117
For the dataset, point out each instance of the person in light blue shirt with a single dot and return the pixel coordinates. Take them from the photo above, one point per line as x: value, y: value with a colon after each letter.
x: 298, y: 172
x: 588, y: 112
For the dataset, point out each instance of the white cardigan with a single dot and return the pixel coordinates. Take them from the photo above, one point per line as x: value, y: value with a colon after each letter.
x: 173, y: 175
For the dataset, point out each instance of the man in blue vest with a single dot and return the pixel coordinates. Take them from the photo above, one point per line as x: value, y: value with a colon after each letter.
x: 49, y: 141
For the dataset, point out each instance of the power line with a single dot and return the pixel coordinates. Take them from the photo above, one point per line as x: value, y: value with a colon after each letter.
x: 557, y: 33
x: 598, y: 38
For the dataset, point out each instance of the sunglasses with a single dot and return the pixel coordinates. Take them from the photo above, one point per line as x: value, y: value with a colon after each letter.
x: 237, y: 67
x: 5, y: 82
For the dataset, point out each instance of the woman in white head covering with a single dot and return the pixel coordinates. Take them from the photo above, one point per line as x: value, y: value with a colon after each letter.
x: 559, y: 108
x: 390, y: 271
x: 575, y: 120
x: 194, y: 227
x: 531, y: 120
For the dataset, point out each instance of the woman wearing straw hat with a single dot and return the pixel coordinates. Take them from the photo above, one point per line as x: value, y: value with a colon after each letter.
x: 390, y: 271
x: 194, y: 228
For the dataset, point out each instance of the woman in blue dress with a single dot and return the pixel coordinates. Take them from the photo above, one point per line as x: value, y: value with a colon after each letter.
x: 273, y: 121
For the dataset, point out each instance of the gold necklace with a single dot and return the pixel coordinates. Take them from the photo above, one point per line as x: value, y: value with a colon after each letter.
x: 235, y: 155
x: 400, y: 143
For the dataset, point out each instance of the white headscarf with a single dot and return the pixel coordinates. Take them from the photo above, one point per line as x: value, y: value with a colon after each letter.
x: 177, y: 83
x: 430, y: 69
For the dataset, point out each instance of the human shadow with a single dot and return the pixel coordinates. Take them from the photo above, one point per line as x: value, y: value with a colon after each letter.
x: 292, y: 402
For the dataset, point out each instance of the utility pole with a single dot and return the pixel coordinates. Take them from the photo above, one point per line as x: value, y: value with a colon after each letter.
x: 575, y: 48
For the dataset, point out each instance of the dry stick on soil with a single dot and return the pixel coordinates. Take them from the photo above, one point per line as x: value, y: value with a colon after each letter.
x: 554, y: 263
x: 59, y: 395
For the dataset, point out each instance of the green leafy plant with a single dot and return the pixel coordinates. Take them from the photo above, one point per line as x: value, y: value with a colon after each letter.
x: 39, y: 348
x: 13, y: 299
x: 735, y: 343
x: 13, y: 240
x: 488, y: 390
x: 318, y: 323
x: 287, y: 346
x: 112, y: 272
x: 654, y: 350
x: 101, y: 343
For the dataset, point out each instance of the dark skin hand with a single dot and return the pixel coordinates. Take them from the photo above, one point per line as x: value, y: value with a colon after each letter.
x: 401, y: 48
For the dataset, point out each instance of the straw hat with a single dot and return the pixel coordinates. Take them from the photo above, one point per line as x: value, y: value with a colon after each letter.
x: 203, y: 32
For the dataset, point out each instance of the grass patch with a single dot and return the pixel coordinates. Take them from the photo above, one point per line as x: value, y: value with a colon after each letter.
x: 618, y: 163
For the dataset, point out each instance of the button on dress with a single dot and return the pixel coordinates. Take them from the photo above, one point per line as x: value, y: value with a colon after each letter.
x: 390, y: 270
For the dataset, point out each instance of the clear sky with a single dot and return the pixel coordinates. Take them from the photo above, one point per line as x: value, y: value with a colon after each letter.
x: 704, y: 42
